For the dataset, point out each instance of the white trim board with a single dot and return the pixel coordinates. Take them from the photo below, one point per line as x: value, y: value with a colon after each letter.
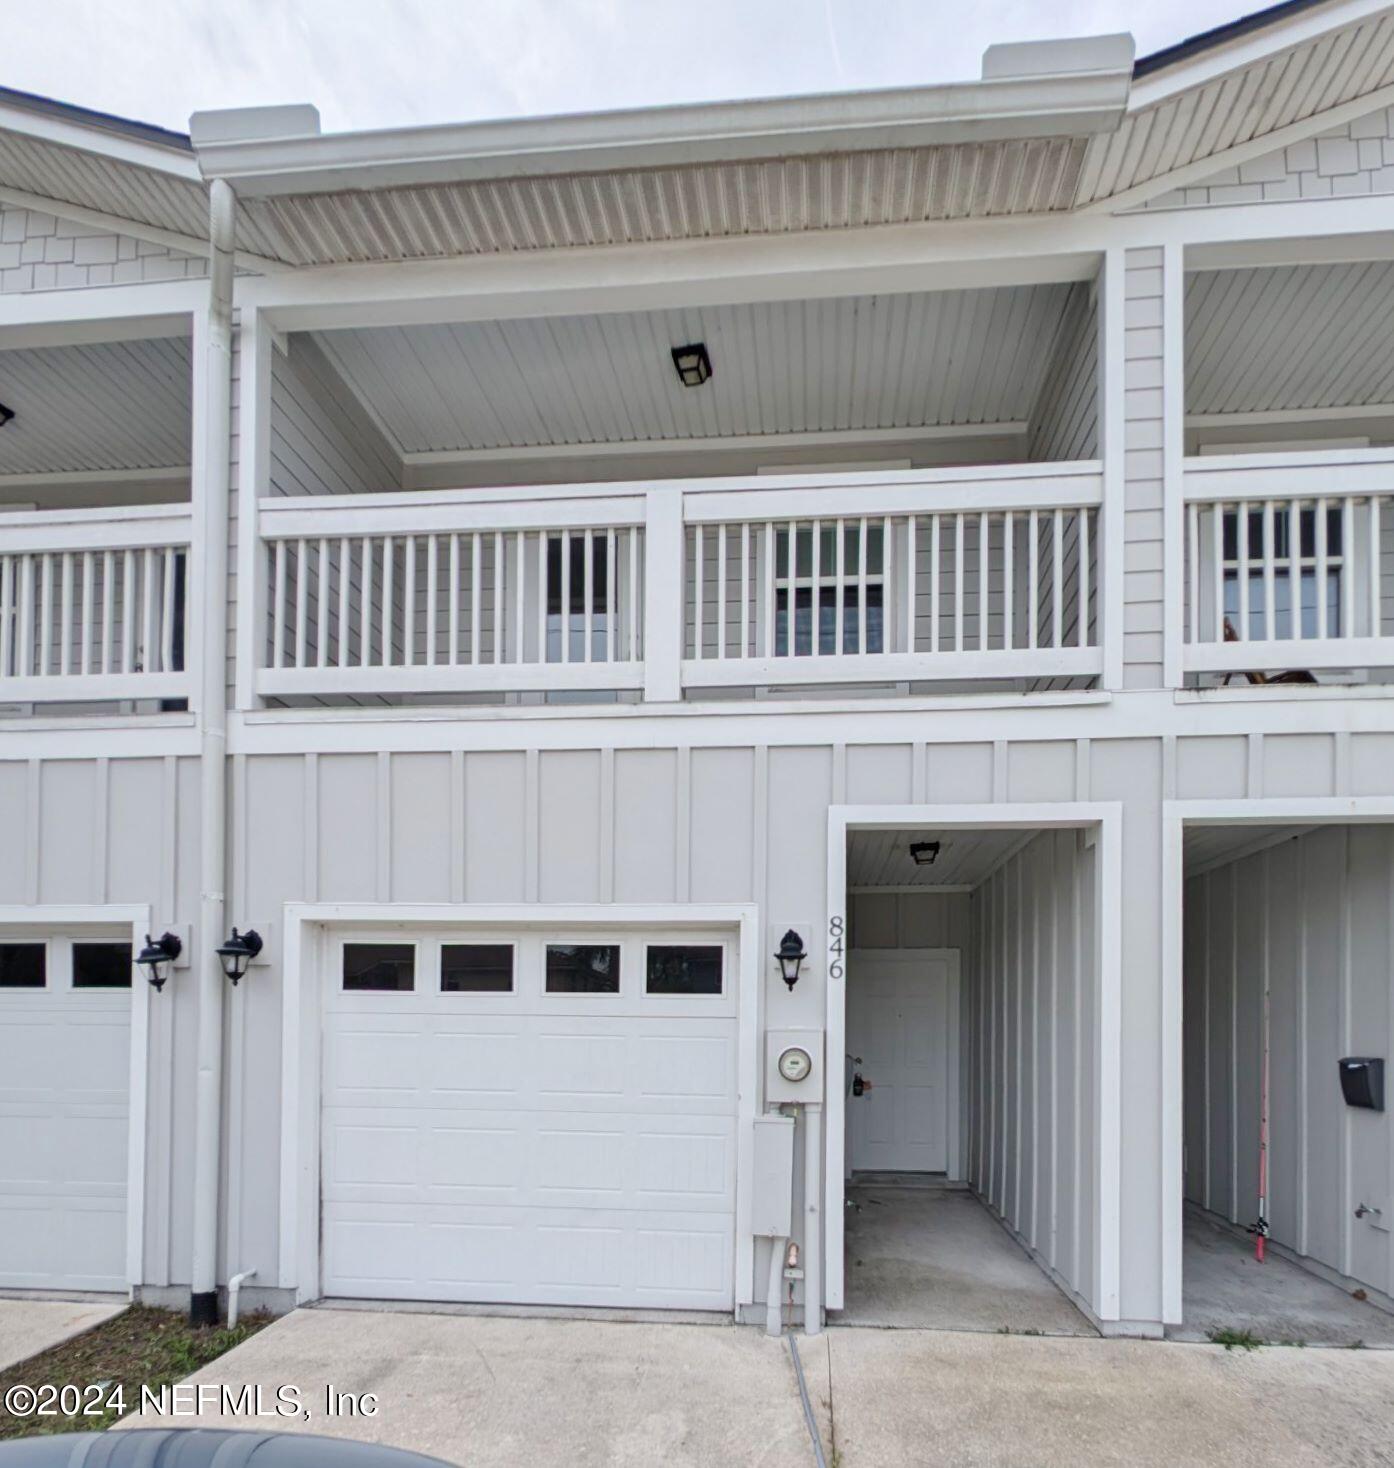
x: 57, y: 916
x: 298, y: 1266
x: 1107, y: 818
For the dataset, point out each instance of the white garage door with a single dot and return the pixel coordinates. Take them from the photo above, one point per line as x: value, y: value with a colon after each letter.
x: 539, y: 1118
x: 65, y: 1022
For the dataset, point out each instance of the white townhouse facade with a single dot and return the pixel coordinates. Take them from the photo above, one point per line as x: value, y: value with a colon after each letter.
x: 534, y: 573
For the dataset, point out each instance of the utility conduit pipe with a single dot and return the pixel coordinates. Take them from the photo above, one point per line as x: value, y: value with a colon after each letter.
x: 211, y: 491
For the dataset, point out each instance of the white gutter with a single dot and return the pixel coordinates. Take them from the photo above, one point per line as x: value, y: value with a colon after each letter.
x: 211, y: 505
x: 1012, y: 100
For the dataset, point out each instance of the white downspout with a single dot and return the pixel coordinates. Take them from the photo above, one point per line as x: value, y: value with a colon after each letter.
x: 212, y: 508
x: 234, y: 1293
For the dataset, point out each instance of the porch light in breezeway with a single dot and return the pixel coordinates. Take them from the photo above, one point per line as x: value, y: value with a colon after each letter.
x: 238, y: 952
x: 790, y: 956
x: 925, y: 853
x: 693, y: 363
x: 157, y: 958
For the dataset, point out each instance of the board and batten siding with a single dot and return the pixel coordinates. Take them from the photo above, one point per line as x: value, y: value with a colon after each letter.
x: 1311, y: 920
x: 1032, y: 1002
x: 124, y: 830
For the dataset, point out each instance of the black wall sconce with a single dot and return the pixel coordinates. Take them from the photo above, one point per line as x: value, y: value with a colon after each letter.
x: 790, y: 956
x: 238, y: 952
x: 157, y: 958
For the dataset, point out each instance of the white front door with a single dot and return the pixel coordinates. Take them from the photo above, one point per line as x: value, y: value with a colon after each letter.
x: 902, y: 1023
x: 531, y: 1118
x: 65, y: 1067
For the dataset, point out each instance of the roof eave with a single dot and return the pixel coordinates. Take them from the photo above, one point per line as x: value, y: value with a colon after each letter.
x: 130, y: 143
x: 1063, y: 105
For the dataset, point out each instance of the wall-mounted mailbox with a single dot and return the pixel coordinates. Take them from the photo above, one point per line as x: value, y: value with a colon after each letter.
x: 1362, y: 1081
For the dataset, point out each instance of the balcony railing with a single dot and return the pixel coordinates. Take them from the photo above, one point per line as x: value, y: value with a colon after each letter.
x: 1290, y: 562
x: 895, y: 577
x: 435, y: 593
x: 950, y: 575
x: 92, y: 604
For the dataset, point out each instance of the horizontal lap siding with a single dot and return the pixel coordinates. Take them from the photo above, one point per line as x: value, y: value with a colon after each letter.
x: 322, y: 442
x: 1143, y: 470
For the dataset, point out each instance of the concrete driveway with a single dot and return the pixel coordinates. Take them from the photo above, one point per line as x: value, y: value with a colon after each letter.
x: 481, y: 1391
x: 30, y: 1326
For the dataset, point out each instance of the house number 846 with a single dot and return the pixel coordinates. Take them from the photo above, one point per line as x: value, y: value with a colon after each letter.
x: 835, y: 926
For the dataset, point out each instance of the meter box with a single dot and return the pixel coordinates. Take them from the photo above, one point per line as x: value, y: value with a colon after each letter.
x: 793, y: 1066
x: 772, y: 1197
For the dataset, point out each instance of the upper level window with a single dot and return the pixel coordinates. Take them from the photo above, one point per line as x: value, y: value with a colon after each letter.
x: 566, y: 581
x: 1255, y: 574
x: 862, y: 583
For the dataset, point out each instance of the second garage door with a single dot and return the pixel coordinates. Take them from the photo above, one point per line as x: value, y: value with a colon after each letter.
x: 530, y: 1118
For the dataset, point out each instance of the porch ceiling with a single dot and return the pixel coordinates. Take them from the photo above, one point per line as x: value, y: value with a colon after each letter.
x: 1208, y: 846
x: 104, y: 406
x: 882, y: 858
x: 1289, y: 337
x: 870, y: 362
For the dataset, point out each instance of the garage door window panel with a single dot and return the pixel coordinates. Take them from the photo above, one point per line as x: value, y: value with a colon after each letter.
x: 583, y: 968
x: 684, y: 970
x: 101, y: 965
x: 476, y: 968
x: 23, y: 965
x: 379, y: 967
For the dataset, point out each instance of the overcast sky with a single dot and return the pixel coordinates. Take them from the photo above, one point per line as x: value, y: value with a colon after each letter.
x: 384, y: 63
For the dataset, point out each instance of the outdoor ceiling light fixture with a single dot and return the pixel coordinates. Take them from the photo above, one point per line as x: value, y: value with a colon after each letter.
x: 6, y: 415
x: 157, y: 957
x: 925, y: 853
x: 790, y: 957
x: 238, y: 952
x: 693, y: 364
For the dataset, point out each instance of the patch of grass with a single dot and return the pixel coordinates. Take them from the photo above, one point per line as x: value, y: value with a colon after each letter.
x: 1232, y: 1339
x: 140, y: 1347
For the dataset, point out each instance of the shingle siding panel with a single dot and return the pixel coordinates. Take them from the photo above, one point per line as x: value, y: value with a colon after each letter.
x: 40, y: 252
x: 1343, y: 162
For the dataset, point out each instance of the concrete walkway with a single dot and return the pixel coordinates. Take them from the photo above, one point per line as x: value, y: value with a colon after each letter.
x: 30, y: 1326
x: 933, y: 1257
x: 1226, y: 1288
x: 482, y: 1391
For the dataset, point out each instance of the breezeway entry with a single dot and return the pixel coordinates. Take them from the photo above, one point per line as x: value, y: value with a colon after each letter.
x: 536, y: 1114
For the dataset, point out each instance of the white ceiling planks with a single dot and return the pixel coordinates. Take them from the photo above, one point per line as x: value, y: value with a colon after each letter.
x: 1209, y: 846
x: 1289, y: 337
x: 870, y: 362
x: 105, y: 406
x: 882, y: 858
